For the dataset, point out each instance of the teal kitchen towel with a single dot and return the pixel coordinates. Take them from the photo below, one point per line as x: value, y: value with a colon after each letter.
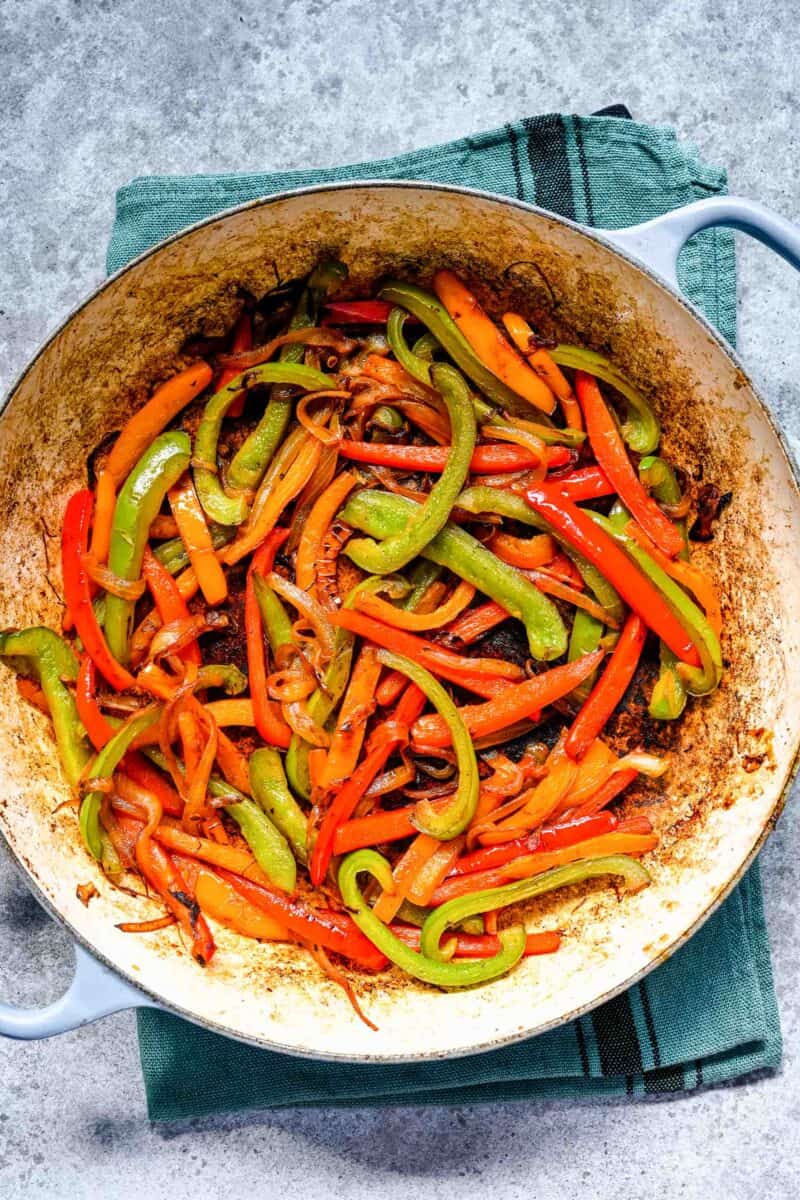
x: 709, y: 1013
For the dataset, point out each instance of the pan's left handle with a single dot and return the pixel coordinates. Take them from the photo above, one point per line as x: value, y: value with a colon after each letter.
x: 659, y: 242
x: 94, y: 992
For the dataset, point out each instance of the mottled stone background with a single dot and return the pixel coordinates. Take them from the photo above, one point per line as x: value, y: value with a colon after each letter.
x: 92, y: 93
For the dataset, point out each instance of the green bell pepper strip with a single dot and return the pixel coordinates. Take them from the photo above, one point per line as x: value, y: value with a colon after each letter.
x: 435, y: 317
x: 426, y: 520
x: 382, y: 514
x: 274, y: 617
x: 422, y: 575
x: 321, y: 704
x: 453, y: 911
x: 584, y: 637
x: 641, y: 429
x: 251, y: 460
x: 660, y: 478
x: 488, y: 416
x: 419, y: 367
x: 173, y: 555
x: 385, y: 421
x: 425, y: 347
x: 222, y: 675
x: 103, y: 767
x: 448, y: 822
x: 46, y: 655
x: 270, y: 848
x: 698, y: 681
x: 218, y: 505
x: 270, y: 790
x: 516, y: 508
x: 668, y: 697
x: 426, y: 968
x: 138, y: 502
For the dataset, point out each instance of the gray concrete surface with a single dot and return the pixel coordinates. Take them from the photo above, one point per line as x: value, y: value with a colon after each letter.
x: 92, y: 93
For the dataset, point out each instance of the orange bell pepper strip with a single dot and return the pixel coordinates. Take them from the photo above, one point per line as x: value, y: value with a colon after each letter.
x: 612, y: 456
x: 438, y: 866
x: 168, y: 601
x: 489, y: 459
x: 516, y: 703
x: 196, y: 537
x: 527, y: 553
x: 418, y: 622
x: 542, y: 363
x: 685, y: 573
x: 78, y: 590
x: 356, y: 708
x: 333, y: 930
x: 489, y: 344
x: 577, y: 527
x: 266, y: 714
x: 105, y: 503
x: 219, y: 899
x: 154, y: 416
x: 373, y: 830
x: 609, y: 689
x: 476, y: 622
x: 242, y: 340
x: 405, y: 873
x: 617, y: 783
x: 323, y: 511
x: 231, y: 858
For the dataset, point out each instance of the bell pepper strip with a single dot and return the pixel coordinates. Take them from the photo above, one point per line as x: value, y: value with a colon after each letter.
x: 586, y: 483
x: 420, y: 966
x: 358, y: 312
x: 335, y: 931
x: 251, y: 460
x: 579, y: 528
x: 219, y: 900
x: 140, y: 498
x: 99, y: 730
x: 485, y: 499
x: 154, y: 416
x: 482, y: 945
x: 613, y: 787
x: 612, y: 457
x: 554, y: 837
x: 487, y: 459
x: 174, y: 556
x: 527, y: 553
x: 105, y: 500
x: 196, y: 537
x: 320, y: 706
x: 78, y: 590
x: 610, y: 688
x: 266, y: 714
x: 698, y: 682
x: 489, y: 344
x: 640, y: 429
x: 404, y: 875
x: 220, y: 507
x: 169, y: 603
x: 272, y: 499
x: 270, y: 790
x: 380, y: 513
x: 448, y: 822
x: 374, y: 830
x: 540, y: 361
x: 44, y: 654
x: 382, y: 610
x: 585, y: 636
x: 685, y: 573
x: 230, y: 858
x: 142, y: 773
x: 426, y: 520
x: 358, y: 705
x: 474, y: 623
x: 517, y: 702
x: 242, y: 340
x: 658, y: 477
x: 668, y: 697
x: 437, y: 867
x: 270, y: 848
x: 487, y: 677
x: 435, y: 317
x: 419, y: 367
x: 322, y: 513
x: 103, y: 766
x: 164, y: 876
x: 408, y: 709
x: 460, y: 908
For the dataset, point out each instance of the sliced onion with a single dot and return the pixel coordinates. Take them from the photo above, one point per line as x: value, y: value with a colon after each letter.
x: 312, y: 336
x: 176, y: 635
x: 308, y: 607
x: 115, y: 585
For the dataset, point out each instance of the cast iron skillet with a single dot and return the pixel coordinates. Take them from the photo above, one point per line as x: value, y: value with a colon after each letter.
x: 736, y: 752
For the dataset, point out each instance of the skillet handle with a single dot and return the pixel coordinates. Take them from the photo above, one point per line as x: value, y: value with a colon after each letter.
x: 94, y: 992
x: 657, y: 243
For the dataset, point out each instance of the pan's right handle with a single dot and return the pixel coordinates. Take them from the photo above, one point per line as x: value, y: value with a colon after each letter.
x: 659, y: 242
x: 94, y: 992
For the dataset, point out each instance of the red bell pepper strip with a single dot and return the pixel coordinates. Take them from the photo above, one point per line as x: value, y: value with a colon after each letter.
x: 168, y: 600
x: 373, y: 830
x: 482, y: 945
x: 587, y: 483
x: 92, y: 719
x: 490, y: 459
x: 609, y: 689
x: 333, y: 930
x: 137, y: 768
x: 78, y: 591
x: 472, y: 674
x: 359, y: 312
x: 605, y: 794
x: 612, y: 456
x: 565, y: 834
x: 266, y: 714
x: 242, y: 340
x: 475, y: 622
x: 408, y: 709
x: 576, y: 526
